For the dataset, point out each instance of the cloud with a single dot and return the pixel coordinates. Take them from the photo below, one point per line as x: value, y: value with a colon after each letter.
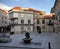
x: 3, y: 6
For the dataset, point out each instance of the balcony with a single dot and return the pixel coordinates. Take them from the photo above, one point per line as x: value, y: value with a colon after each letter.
x: 11, y: 18
x: 50, y: 23
x: 13, y: 23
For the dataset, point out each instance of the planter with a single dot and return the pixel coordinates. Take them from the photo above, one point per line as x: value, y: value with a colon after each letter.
x: 27, y: 40
x: 11, y: 33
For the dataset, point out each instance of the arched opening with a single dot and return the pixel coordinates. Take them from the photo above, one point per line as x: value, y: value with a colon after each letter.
x: 38, y: 29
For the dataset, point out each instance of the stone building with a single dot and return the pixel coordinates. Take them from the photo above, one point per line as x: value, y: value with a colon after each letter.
x: 49, y: 23
x: 43, y: 22
x: 21, y: 19
x: 25, y: 19
x: 56, y: 9
x: 31, y: 20
x: 4, y: 21
x: 38, y: 18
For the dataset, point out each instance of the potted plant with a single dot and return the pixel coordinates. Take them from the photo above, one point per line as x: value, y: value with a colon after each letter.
x: 27, y: 38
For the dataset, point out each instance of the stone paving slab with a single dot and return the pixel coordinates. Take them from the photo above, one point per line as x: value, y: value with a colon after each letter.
x: 43, y: 38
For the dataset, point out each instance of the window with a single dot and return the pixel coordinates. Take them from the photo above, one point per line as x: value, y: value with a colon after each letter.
x: 22, y: 27
x: 37, y: 21
x: 22, y: 15
x: 43, y: 28
x: 2, y: 19
x: 28, y: 15
x: 5, y: 17
x: 5, y: 22
x: 15, y: 15
x: 58, y: 18
x: 16, y: 21
x: 12, y: 21
x: 11, y: 14
x: 43, y: 21
x: 49, y: 21
x: 29, y: 21
x: 22, y: 21
x: 29, y: 28
x: 12, y: 27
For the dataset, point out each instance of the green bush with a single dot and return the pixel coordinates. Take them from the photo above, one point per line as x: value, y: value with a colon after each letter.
x: 27, y: 35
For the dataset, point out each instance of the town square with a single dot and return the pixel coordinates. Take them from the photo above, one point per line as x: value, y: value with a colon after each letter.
x: 35, y: 25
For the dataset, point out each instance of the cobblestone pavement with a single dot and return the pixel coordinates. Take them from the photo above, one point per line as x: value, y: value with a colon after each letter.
x: 38, y: 41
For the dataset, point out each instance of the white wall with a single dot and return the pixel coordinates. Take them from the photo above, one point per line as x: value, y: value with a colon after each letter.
x: 3, y: 19
x: 26, y: 17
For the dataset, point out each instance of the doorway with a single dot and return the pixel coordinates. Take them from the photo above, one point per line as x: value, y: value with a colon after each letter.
x: 38, y: 29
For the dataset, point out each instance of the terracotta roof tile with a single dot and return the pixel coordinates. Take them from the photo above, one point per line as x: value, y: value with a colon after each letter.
x: 16, y: 8
x: 49, y: 15
x: 5, y: 11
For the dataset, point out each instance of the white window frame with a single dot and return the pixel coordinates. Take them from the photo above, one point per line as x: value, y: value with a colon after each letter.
x: 22, y: 28
x: 29, y: 28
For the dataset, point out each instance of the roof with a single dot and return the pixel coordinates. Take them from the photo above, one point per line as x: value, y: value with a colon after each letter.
x: 17, y: 8
x: 5, y: 11
x: 48, y: 16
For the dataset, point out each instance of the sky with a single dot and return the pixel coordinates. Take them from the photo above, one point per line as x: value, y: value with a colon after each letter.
x: 42, y: 5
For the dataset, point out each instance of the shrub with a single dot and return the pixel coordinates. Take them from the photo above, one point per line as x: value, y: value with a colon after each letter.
x: 27, y: 35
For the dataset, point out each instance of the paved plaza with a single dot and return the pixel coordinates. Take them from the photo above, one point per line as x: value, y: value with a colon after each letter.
x: 39, y: 41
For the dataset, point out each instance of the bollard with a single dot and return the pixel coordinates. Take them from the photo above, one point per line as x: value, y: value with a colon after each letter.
x: 49, y: 45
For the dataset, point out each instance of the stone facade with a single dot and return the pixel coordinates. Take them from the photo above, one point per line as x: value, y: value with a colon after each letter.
x: 56, y: 9
x: 4, y: 21
x: 49, y: 23
x: 31, y: 20
x: 21, y: 20
x: 35, y: 17
x: 43, y: 23
x: 39, y: 25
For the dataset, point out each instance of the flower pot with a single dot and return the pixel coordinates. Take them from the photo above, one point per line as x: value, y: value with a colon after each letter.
x: 27, y: 40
